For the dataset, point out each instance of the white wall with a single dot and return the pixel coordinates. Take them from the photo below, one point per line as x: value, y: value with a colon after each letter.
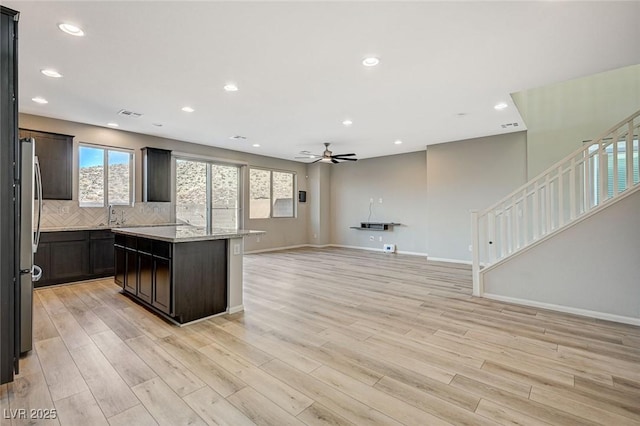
x: 560, y: 116
x: 400, y: 181
x: 467, y: 175
x: 592, y: 265
x: 280, y: 232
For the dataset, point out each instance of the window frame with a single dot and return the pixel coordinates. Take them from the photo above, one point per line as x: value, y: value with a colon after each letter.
x: 105, y: 180
x: 294, y: 185
x: 209, y: 161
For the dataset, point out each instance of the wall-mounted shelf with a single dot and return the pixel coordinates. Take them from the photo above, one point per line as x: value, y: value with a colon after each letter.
x: 376, y: 226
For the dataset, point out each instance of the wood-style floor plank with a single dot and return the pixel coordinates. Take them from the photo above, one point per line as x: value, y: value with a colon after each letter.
x: 215, y: 409
x: 166, y: 407
x: 109, y: 390
x: 62, y: 374
x: 80, y: 409
x: 382, y: 339
x: 136, y: 415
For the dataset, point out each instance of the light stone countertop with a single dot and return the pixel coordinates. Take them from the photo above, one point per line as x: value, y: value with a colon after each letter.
x: 185, y: 233
x: 100, y: 227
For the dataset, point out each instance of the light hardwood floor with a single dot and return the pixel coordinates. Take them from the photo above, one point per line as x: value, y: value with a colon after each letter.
x: 329, y: 336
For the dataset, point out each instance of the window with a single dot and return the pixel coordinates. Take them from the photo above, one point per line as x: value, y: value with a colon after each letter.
x: 105, y: 176
x: 207, y: 194
x: 271, y: 194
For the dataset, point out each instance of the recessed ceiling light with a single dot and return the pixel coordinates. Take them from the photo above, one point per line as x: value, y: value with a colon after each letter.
x: 398, y: 142
x: 231, y: 87
x: 40, y: 100
x: 256, y: 145
x: 51, y: 73
x: 71, y: 29
x: 371, y: 61
x: 188, y: 109
x: 347, y: 123
x: 501, y: 106
x: 112, y: 124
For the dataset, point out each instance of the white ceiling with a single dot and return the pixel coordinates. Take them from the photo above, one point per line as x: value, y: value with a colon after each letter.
x: 298, y: 67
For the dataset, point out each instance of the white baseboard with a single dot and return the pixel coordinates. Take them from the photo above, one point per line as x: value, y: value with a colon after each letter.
x: 356, y: 247
x: 565, y: 309
x: 443, y: 259
x: 413, y: 253
x: 235, y: 309
x: 345, y: 246
x: 276, y: 249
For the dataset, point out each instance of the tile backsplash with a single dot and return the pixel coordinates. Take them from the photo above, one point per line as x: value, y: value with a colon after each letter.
x: 62, y: 213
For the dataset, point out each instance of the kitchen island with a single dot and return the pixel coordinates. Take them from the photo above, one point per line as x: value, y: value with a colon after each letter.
x: 184, y: 273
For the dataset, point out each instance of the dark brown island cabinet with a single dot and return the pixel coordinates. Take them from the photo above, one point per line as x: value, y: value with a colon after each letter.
x: 183, y: 273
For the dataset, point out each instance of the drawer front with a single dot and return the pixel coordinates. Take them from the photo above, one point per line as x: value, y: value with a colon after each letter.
x: 102, y: 234
x: 131, y: 242
x: 144, y: 245
x: 120, y: 240
x: 162, y: 249
x: 50, y: 237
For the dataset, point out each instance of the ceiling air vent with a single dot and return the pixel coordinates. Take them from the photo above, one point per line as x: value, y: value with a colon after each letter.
x: 238, y: 138
x: 507, y: 125
x: 131, y: 114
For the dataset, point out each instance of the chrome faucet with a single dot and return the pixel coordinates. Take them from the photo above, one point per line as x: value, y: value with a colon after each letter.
x: 112, y: 215
x: 122, y: 219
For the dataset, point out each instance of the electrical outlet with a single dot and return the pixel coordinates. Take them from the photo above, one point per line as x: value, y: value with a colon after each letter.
x: 371, y: 200
x: 258, y: 239
x: 380, y: 239
x: 470, y: 247
x: 236, y: 249
x: 372, y: 238
x: 379, y: 200
x: 315, y: 236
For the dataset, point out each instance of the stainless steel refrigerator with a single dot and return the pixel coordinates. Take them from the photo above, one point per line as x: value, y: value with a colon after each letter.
x: 9, y: 196
x: 30, y: 184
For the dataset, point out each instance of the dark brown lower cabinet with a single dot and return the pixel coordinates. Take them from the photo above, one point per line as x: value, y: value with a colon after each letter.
x: 68, y: 256
x: 131, y: 271
x: 162, y: 287
x: 145, y: 276
x: 120, y: 257
x: 183, y: 281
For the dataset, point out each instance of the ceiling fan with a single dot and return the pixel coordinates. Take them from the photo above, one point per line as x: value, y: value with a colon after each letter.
x: 327, y: 156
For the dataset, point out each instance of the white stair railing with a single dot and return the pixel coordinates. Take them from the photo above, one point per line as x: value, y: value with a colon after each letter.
x: 594, y: 175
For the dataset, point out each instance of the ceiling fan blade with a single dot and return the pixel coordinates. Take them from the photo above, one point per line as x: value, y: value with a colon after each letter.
x: 334, y: 161
x: 344, y: 155
x: 315, y: 161
x: 347, y: 159
x: 308, y: 157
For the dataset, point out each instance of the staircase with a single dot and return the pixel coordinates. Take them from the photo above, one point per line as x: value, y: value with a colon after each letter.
x: 598, y: 174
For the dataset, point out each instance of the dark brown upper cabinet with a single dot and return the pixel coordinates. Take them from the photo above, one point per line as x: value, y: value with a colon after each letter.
x: 156, y: 175
x: 55, y: 155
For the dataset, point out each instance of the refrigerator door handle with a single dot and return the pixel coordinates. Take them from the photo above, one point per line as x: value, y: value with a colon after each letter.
x: 36, y: 241
x: 37, y: 273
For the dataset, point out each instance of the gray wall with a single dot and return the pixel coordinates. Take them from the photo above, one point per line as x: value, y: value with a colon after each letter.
x: 560, y: 116
x: 281, y: 232
x: 400, y: 181
x: 592, y: 265
x: 467, y: 175
x: 319, y: 183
